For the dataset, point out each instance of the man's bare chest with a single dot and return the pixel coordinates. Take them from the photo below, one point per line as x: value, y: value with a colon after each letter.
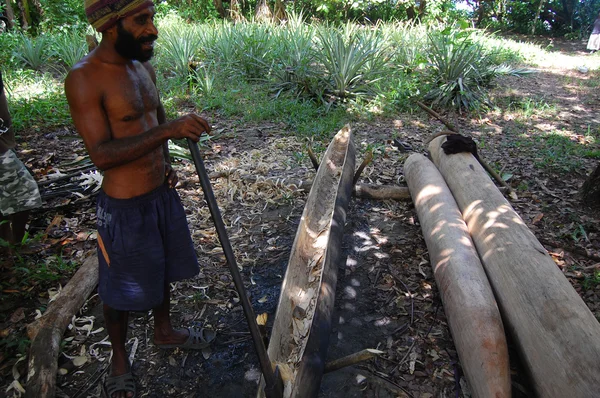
x: 129, y: 96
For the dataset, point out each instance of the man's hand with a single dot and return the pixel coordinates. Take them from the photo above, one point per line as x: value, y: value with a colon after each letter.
x: 172, y: 178
x: 189, y: 126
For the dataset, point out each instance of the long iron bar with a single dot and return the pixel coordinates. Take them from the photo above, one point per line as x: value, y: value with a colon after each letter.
x: 273, y: 382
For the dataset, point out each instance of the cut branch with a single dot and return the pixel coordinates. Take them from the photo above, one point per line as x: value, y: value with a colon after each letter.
x: 313, y: 158
x: 368, y: 158
x: 436, y: 115
x: 351, y: 359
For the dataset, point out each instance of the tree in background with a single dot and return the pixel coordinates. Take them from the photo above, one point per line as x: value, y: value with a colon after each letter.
x: 263, y: 11
x: 6, y: 9
x: 30, y: 13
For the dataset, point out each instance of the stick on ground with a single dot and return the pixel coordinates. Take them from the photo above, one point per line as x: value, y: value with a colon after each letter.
x: 351, y: 359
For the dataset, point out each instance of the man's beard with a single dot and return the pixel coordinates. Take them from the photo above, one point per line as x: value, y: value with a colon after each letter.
x: 131, y: 48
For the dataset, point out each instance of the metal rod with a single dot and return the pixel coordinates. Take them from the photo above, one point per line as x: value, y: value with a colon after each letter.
x: 271, y: 390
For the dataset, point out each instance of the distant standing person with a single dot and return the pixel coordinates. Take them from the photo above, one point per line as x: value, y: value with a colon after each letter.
x: 19, y: 192
x: 594, y: 41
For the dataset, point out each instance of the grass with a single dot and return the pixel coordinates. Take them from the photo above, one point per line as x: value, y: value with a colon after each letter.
x: 591, y: 281
x: 556, y: 151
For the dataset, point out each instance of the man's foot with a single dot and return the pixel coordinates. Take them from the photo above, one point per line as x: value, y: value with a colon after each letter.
x: 122, y: 386
x: 192, y: 338
x: 120, y: 383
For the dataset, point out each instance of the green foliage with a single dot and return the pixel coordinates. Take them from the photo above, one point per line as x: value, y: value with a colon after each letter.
x: 555, y: 151
x: 190, y: 10
x: 178, y: 44
x: 63, y: 15
x: 69, y: 48
x: 461, y: 69
x: 457, y: 66
x: 8, y: 42
x: 294, y: 71
x: 43, y: 106
x: 256, y: 43
x: 590, y: 282
x: 32, y: 52
x: 353, y: 60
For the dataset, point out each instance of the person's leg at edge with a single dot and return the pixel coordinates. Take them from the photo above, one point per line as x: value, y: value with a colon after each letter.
x: 163, y: 329
x: 116, y: 325
x: 5, y: 229
x: 7, y: 236
x: 19, y: 221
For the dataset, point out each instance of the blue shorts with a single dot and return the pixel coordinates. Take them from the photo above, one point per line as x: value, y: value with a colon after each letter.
x: 143, y: 243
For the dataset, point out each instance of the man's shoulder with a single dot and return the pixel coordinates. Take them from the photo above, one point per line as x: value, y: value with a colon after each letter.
x: 88, y: 73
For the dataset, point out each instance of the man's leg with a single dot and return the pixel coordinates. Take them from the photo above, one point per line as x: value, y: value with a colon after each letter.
x: 116, y: 325
x: 163, y: 329
x: 5, y: 229
x: 6, y: 236
x: 18, y: 221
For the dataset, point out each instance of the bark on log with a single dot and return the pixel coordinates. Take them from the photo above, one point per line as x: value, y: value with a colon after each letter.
x: 557, y: 335
x: 46, y: 333
x: 467, y: 296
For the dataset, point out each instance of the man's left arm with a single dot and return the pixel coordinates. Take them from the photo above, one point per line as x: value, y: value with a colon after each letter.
x: 161, y: 117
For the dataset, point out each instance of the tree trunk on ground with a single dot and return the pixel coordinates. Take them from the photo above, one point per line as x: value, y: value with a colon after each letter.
x: 590, y: 191
x: 279, y: 14
x: 46, y: 333
x: 220, y: 9
x: 469, y: 303
x: 557, y: 335
x: 263, y: 11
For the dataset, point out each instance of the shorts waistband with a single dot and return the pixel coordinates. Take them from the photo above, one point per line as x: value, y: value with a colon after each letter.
x: 136, y: 200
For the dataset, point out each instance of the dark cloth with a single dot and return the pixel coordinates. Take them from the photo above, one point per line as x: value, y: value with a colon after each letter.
x: 143, y: 242
x: 7, y: 136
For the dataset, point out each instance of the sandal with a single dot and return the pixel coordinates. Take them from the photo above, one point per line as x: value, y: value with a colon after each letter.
x: 124, y: 382
x: 198, y: 339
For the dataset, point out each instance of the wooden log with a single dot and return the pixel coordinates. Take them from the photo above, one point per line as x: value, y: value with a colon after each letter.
x: 302, y: 326
x: 557, y: 335
x: 46, y: 333
x: 467, y: 296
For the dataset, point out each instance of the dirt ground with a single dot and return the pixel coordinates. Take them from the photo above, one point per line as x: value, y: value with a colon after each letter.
x: 386, y: 295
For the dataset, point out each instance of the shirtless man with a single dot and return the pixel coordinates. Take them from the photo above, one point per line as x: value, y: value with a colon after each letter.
x: 143, y: 238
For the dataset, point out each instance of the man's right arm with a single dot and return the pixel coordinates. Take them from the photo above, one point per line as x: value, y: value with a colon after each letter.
x: 91, y: 121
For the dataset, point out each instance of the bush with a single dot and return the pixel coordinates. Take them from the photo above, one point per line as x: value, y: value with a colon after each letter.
x: 69, y: 48
x: 32, y: 53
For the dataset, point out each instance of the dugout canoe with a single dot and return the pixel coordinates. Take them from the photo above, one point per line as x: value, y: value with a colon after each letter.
x: 302, y: 325
x: 469, y: 302
x: 557, y: 335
